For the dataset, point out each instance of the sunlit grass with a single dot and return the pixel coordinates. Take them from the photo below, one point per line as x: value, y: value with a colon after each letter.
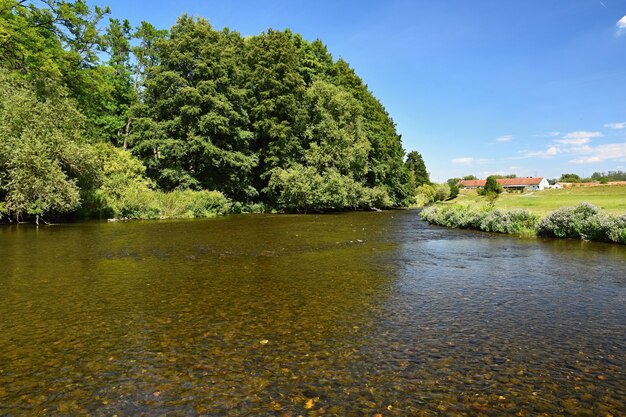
x: 609, y: 198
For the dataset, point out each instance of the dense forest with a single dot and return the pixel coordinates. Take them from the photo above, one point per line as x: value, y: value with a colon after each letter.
x: 100, y: 118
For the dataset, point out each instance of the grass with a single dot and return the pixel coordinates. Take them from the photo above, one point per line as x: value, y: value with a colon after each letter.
x: 611, y: 199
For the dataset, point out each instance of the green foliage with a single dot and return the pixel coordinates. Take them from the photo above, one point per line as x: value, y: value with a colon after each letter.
x: 454, y: 188
x: 304, y: 189
x: 198, y: 109
x: 242, y: 116
x: 442, y: 192
x: 492, y: 187
x: 417, y: 169
x: 179, y: 204
x: 470, y: 177
x: 605, y: 177
x: 583, y: 221
x: 570, y: 178
x: 43, y: 159
x: 192, y: 128
x: 424, y: 194
x: 497, y: 221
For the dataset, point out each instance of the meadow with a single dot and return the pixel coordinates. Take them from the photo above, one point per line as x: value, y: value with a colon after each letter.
x: 610, y: 198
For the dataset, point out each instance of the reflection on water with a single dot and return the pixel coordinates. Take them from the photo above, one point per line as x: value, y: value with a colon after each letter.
x: 349, y: 314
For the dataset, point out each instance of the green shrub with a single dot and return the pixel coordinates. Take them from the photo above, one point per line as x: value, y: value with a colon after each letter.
x: 442, y: 192
x: 178, y: 204
x: 583, y: 221
x: 304, y: 189
x: 498, y: 221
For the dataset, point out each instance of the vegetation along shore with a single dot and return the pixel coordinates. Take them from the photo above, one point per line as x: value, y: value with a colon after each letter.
x: 118, y: 121
x: 561, y: 213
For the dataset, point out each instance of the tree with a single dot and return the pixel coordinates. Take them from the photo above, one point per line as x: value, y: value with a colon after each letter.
x: 470, y: 177
x: 492, y: 187
x: 43, y: 157
x: 277, y: 114
x: 386, y: 158
x: 192, y: 129
x: 415, y: 165
x: 570, y: 178
x: 454, y: 187
x: 442, y: 192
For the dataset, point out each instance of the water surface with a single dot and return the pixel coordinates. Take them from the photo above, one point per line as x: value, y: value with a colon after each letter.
x: 350, y: 314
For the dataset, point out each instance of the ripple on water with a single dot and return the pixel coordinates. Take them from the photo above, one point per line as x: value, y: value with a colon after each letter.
x: 347, y: 314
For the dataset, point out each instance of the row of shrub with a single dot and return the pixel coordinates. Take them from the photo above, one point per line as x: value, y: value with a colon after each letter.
x: 146, y: 204
x: 583, y: 221
x: 489, y: 220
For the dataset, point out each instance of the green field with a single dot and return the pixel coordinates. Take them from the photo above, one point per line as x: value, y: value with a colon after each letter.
x: 609, y: 198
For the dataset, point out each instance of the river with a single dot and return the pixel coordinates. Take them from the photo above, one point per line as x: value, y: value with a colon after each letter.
x: 352, y: 314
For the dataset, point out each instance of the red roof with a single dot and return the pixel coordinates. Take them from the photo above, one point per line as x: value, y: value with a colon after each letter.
x: 506, y: 182
x: 472, y: 183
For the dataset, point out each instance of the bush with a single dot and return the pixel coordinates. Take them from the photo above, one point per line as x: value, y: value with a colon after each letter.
x: 424, y: 195
x: 584, y: 221
x: 442, y: 192
x: 492, y: 187
x: 304, y: 189
x: 498, y: 221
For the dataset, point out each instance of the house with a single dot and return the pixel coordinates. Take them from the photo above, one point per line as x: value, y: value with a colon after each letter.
x: 510, y: 184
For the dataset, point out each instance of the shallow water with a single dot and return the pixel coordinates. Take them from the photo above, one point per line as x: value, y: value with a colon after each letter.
x: 350, y: 314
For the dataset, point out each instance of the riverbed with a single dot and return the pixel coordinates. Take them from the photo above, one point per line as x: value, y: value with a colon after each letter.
x: 351, y: 314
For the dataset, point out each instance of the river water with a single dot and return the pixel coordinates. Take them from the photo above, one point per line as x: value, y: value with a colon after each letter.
x: 353, y: 314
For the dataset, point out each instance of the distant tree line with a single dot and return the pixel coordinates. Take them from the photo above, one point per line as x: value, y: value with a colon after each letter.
x: 601, y: 177
x: 105, y: 121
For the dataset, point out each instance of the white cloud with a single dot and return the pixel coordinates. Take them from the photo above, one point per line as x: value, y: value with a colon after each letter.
x: 485, y: 174
x: 578, y: 141
x: 621, y: 25
x: 463, y: 161
x: 621, y: 125
x: 548, y: 134
x: 581, y: 134
x: 601, y: 153
x: 548, y: 153
x: 504, y: 138
x: 468, y: 160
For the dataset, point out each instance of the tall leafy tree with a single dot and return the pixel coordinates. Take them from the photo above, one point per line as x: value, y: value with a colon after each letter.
x: 277, y: 114
x: 416, y: 166
x: 43, y: 157
x: 192, y: 129
x: 386, y: 165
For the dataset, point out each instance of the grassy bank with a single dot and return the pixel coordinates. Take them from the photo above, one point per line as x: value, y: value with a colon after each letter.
x: 147, y: 204
x: 583, y: 221
x: 611, y: 199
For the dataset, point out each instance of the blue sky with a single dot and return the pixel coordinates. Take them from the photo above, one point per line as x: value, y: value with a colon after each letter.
x: 533, y: 87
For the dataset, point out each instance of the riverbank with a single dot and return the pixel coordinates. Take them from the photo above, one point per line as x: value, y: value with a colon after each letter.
x: 611, y: 199
x: 583, y: 221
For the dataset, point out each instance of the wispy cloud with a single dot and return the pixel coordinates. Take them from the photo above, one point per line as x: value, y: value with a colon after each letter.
x: 485, y: 174
x: 621, y: 26
x: 601, y: 153
x: 581, y: 134
x: 548, y: 153
x: 463, y: 161
x: 548, y: 135
x: 504, y: 138
x: 468, y: 160
x: 573, y: 141
x: 620, y: 125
